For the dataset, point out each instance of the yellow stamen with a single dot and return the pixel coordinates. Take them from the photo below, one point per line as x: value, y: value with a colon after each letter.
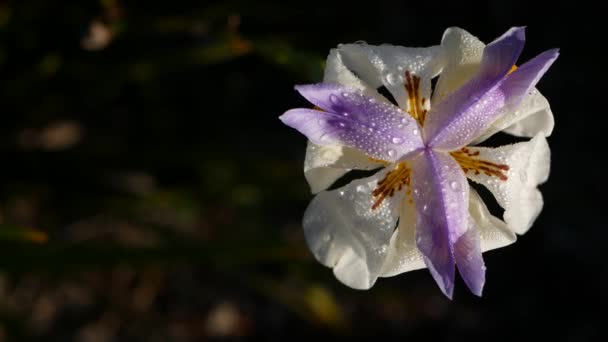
x: 513, y: 68
x: 378, y: 161
x: 469, y: 162
x: 415, y: 102
x: 391, y: 183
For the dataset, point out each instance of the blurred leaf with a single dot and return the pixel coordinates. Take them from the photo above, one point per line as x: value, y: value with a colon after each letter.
x: 323, y: 304
x: 306, y: 65
x: 60, y: 257
x: 13, y: 233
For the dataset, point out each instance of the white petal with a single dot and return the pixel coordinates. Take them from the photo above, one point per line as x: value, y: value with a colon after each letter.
x: 463, y: 53
x: 493, y: 232
x: 323, y: 165
x: 337, y: 72
x: 531, y: 117
x: 345, y: 233
x: 403, y: 255
x: 386, y: 65
x: 529, y: 164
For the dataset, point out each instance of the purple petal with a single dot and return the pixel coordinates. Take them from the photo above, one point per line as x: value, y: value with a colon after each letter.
x: 498, y: 58
x: 467, y: 254
x: 519, y: 83
x: 352, y: 119
x: 509, y: 92
x: 441, y: 194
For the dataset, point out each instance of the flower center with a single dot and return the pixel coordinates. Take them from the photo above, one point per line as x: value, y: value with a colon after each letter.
x: 415, y: 102
x: 391, y: 183
x: 469, y: 161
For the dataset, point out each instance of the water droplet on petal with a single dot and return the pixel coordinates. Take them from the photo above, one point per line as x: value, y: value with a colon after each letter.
x: 345, y: 94
x: 397, y: 140
x: 371, y: 100
x: 415, y: 132
x: 391, y: 153
x: 392, y: 79
x: 455, y: 186
x: 382, y: 249
x: 326, y: 237
x: 425, y: 207
x: 345, y: 113
x: 404, y: 121
x: 334, y: 99
x: 325, y: 138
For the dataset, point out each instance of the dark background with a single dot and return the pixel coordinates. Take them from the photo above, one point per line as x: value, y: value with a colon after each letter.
x: 149, y: 193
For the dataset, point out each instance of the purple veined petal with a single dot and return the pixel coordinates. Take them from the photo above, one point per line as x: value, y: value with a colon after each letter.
x: 467, y: 254
x: 353, y: 119
x: 498, y: 58
x: 507, y: 94
x: 440, y: 193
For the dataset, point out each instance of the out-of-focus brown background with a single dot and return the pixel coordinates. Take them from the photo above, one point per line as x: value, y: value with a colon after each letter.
x: 148, y: 191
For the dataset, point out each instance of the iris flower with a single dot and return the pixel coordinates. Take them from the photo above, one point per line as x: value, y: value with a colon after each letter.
x: 418, y: 210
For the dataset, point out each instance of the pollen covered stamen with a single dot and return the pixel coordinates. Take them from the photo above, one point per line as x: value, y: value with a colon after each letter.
x: 415, y: 102
x: 469, y: 161
x: 394, y: 181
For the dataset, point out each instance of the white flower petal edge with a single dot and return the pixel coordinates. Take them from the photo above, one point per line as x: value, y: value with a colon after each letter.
x: 463, y: 53
x: 323, y: 165
x: 385, y: 65
x: 345, y: 233
x: 367, y: 67
x: 403, y: 255
x: 493, y: 232
x: 529, y: 164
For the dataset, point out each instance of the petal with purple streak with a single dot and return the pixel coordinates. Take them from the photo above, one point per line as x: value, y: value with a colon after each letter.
x: 467, y: 254
x: 353, y: 119
x: 507, y: 94
x: 498, y: 58
x: 476, y: 119
x: 440, y: 192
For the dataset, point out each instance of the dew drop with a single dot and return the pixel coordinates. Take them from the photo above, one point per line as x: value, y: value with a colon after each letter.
x: 397, y: 140
x: 371, y: 100
x: 326, y: 237
x: 345, y: 94
x: 325, y: 138
x: 425, y: 207
x: 415, y: 132
x: 455, y: 186
x: 382, y: 249
x: 391, y: 153
x: 345, y: 113
x: 404, y: 121
x: 334, y: 99
x: 392, y: 78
